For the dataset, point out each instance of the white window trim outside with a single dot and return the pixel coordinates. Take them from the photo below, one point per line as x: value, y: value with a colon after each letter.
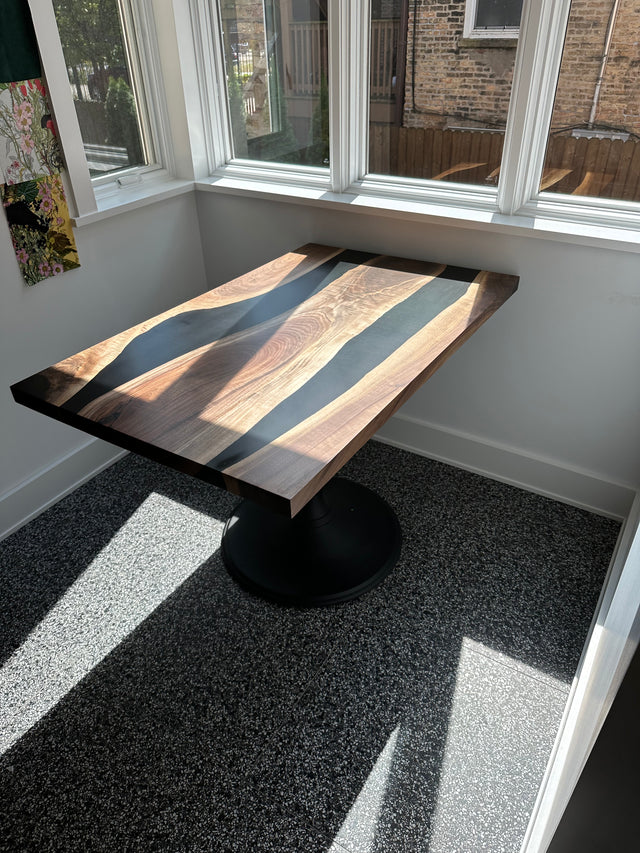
x: 470, y: 31
x: 87, y: 196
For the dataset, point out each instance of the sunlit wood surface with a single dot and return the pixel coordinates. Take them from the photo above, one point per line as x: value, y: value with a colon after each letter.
x: 268, y: 384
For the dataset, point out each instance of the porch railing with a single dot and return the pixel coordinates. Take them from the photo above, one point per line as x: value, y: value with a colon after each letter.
x: 306, y: 57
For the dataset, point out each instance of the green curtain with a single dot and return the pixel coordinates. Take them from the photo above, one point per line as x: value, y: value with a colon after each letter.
x: 19, y: 58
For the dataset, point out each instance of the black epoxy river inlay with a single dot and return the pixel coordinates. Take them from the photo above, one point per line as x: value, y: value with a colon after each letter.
x: 352, y: 362
x: 190, y: 330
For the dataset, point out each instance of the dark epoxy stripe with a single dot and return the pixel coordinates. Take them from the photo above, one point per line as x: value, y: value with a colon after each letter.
x: 190, y: 330
x: 352, y: 362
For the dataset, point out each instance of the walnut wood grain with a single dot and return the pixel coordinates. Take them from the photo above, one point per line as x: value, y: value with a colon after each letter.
x: 268, y: 384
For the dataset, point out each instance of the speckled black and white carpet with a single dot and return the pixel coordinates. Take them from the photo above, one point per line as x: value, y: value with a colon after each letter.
x: 149, y: 704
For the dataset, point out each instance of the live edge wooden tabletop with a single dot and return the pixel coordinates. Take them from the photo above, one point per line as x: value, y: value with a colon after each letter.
x: 268, y: 384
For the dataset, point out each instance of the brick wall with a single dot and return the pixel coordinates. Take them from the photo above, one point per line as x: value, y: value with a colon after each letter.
x: 619, y: 102
x: 385, y: 8
x: 455, y: 81
x: 244, y: 19
x: 449, y: 80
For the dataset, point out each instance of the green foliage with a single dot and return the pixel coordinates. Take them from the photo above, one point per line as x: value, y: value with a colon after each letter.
x: 281, y: 146
x: 122, y: 123
x: 29, y: 191
x: 90, y: 32
x: 236, y: 112
x: 318, y: 150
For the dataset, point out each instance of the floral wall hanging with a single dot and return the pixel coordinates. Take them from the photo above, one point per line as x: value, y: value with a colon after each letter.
x: 31, y: 191
x: 28, y: 145
x: 40, y: 228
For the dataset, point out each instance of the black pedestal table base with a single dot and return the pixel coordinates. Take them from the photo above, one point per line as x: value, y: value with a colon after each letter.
x: 343, y: 543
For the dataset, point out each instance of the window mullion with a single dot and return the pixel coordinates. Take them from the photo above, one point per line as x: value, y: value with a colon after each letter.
x: 338, y: 23
x: 536, y: 72
x: 138, y: 20
x: 54, y: 69
x: 348, y: 90
x: 360, y: 76
x: 207, y: 42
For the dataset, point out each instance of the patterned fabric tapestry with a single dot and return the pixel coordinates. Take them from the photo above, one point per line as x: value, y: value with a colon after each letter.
x: 30, y: 158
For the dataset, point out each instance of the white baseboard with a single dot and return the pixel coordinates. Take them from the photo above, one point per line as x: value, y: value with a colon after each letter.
x: 498, y: 462
x: 47, y: 486
x: 580, y: 488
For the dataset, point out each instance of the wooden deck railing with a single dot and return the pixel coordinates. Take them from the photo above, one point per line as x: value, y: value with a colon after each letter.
x: 306, y: 57
x: 308, y: 61
x: 384, y: 39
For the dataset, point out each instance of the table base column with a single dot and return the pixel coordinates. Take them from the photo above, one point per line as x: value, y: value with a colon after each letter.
x: 342, y: 544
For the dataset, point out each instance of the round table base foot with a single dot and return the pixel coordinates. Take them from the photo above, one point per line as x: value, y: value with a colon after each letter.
x: 342, y: 544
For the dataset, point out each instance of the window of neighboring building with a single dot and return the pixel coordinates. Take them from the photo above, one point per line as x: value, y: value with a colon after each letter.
x: 593, y: 147
x: 492, y: 18
x: 103, y: 65
x: 277, y: 80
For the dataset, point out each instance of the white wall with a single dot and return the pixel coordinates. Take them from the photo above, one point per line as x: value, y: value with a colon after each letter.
x: 133, y: 266
x: 546, y: 394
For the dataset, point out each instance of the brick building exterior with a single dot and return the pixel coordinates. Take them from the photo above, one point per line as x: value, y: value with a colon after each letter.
x: 455, y: 81
x: 618, y: 105
x: 450, y: 80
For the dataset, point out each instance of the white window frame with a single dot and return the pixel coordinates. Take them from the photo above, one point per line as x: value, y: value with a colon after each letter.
x: 470, y: 31
x: 207, y: 35
x: 515, y: 203
x: 144, y: 66
x: 542, y: 32
x: 85, y: 194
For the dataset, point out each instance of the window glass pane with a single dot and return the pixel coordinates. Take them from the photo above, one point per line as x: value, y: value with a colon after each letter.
x: 102, y: 81
x: 439, y: 102
x: 276, y: 58
x: 498, y: 13
x: 594, y: 140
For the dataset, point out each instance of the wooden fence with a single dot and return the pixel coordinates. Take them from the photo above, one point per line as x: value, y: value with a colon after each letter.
x: 461, y: 156
x: 603, y: 168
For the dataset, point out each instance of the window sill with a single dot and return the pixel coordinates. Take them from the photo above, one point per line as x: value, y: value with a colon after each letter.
x: 540, y: 220
x: 487, y: 41
x: 114, y: 200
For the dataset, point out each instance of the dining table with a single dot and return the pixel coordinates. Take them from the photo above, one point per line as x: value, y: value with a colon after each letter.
x: 266, y: 385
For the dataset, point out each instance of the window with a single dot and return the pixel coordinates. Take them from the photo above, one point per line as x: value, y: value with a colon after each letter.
x: 277, y: 79
x: 593, y: 147
x: 311, y: 97
x: 492, y: 18
x: 435, y: 111
x: 105, y: 75
x: 416, y: 117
